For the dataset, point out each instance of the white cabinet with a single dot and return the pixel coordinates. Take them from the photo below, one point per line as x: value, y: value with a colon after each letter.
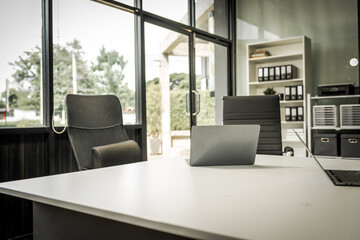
x: 294, y: 51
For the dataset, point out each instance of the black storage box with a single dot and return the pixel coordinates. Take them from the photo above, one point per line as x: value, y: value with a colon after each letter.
x: 326, y: 144
x: 350, y: 145
x: 335, y: 89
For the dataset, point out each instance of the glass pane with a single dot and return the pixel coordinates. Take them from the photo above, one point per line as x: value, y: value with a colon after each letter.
x: 212, y: 16
x: 20, y: 63
x: 93, y: 54
x: 174, y: 10
x: 211, y: 81
x: 334, y: 37
x: 127, y: 2
x: 167, y: 83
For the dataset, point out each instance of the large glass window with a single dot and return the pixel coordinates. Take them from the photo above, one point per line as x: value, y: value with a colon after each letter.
x: 330, y: 24
x: 212, y: 16
x: 211, y: 81
x: 93, y: 54
x: 167, y: 85
x: 20, y: 63
x: 173, y: 10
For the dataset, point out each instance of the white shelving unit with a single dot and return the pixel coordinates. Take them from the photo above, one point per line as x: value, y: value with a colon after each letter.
x: 295, y: 51
x: 335, y: 100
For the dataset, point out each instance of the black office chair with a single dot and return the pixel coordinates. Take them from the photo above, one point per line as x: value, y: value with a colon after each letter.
x: 262, y: 110
x: 96, y: 132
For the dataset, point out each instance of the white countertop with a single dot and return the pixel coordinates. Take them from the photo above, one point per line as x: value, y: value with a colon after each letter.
x: 277, y: 198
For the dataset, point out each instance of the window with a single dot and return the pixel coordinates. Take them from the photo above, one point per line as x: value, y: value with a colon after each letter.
x: 173, y: 10
x: 20, y: 64
x: 212, y: 16
x: 93, y: 54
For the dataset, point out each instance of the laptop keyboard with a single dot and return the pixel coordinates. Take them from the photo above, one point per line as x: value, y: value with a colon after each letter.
x: 346, y: 176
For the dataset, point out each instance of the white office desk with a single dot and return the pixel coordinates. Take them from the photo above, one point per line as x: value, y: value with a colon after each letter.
x: 277, y: 198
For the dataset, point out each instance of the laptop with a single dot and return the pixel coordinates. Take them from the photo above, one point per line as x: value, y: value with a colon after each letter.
x: 338, y: 177
x: 224, y: 145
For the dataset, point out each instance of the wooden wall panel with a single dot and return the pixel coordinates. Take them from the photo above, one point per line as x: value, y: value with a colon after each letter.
x: 33, y: 155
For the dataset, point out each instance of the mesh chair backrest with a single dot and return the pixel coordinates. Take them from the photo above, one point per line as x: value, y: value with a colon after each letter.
x: 93, y: 120
x: 262, y: 110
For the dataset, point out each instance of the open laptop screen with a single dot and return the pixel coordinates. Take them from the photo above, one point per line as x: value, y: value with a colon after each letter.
x: 224, y: 145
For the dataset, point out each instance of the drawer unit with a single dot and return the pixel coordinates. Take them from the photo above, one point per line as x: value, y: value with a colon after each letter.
x: 325, y: 116
x: 350, y: 116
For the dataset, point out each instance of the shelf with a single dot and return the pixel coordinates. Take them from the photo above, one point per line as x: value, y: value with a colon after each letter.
x: 291, y: 140
x: 279, y: 42
x: 334, y: 97
x: 335, y: 128
x: 277, y: 58
x: 294, y: 51
x: 292, y: 101
x: 280, y: 82
x: 292, y: 122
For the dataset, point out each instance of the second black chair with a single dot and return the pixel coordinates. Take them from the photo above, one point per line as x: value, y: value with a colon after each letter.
x: 262, y: 110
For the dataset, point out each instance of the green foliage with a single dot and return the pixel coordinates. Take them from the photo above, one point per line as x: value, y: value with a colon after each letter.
x: 13, y: 98
x: 108, y: 75
x: 179, y: 81
x: 179, y: 119
x: 153, y: 106
x: 63, y: 67
x: 269, y: 91
x: 27, y: 76
x: 179, y: 86
x: 104, y: 76
x: 207, y: 113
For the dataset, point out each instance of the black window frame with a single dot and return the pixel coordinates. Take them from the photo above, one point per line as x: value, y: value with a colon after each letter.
x: 140, y: 17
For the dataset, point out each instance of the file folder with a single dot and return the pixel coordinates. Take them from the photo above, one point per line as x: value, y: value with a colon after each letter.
x: 266, y: 74
x: 277, y: 73
x: 300, y: 114
x: 271, y: 73
x: 294, y: 114
x: 287, y: 114
x: 293, y: 92
x: 283, y: 72
x: 300, y: 94
x: 290, y: 71
x: 287, y: 93
x: 260, y: 74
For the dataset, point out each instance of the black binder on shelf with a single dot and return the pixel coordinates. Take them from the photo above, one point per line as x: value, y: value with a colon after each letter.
x: 271, y: 73
x: 300, y: 94
x: 287, y: 93
x: 283, y: 72
x: 266, y: 74
x: 294, y: 113
x: 287, y: 114
x: 277, y: 73
x: 260, y: 74
x: 293, y: 92
x: 290, y: 71
x: 300, y: 113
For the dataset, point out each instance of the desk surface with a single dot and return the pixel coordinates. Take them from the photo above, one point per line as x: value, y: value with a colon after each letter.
x: 277, y: 198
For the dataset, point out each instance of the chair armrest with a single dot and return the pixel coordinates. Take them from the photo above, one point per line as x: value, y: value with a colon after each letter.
x: 116, y: 154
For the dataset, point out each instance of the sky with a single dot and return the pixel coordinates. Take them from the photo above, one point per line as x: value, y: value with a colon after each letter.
x: 93, y: 24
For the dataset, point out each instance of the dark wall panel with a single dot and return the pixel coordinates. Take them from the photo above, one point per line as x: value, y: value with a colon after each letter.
x: 33, y: 155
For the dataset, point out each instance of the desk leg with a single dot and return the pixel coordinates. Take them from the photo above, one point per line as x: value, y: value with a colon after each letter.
x: 61, y: 224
